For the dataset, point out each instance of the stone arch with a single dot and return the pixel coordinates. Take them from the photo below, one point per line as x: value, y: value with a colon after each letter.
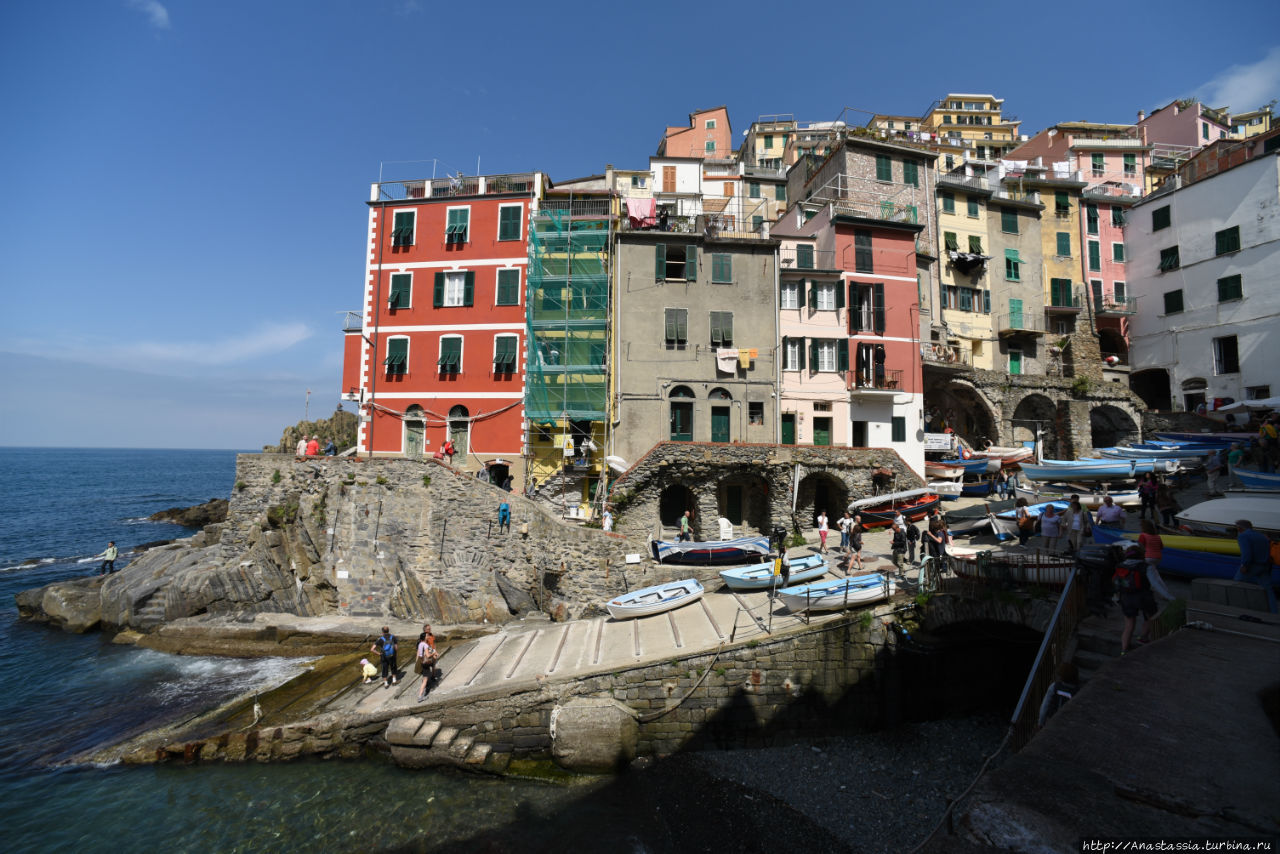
x: 1032, y: 411
x: 719, y: 393
x: 1110, y: 425
x: 460, y: 430
x: 1152, y: 385
x: 962, y: 407
x: 743, y: 498
x: 673, y: 501
x: 821, y: 490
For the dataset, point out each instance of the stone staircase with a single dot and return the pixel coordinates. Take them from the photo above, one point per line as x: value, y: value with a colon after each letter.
x: 152, y: 613
x: 417, y: 742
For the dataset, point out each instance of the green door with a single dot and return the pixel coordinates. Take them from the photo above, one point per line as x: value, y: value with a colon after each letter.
x: 720, y: 424
x: 733, y: 504
x: 789, y: 428
x: 822, y: 431
x: 681, y: 422
x: 1015, y: 362
x: 414, y: 432
x: 1015, y: 314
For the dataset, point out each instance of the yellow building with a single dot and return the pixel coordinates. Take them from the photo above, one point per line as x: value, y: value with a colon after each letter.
x: 765, y: 142
x: 1060, y: 189
x: 969, y: 127
x: 964, y: 253
x: 1252, y: 123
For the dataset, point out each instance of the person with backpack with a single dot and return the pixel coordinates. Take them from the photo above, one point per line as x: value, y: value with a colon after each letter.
x: 1152, y: 552
x: 913, y: 537
x: 427, y: 658
x: 899, y: 547
x: 385, y: 646
x: 1135, y: 595
x: 108, y: 559
x: 855, y: 543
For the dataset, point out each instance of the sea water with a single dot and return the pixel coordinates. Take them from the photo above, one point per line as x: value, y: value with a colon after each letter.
x: 65, y: 694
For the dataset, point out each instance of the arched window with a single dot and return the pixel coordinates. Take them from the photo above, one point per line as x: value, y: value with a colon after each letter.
x: 719, y: 394
x: 681, y: 414
x: 460, y: 430
x: 414, y: 431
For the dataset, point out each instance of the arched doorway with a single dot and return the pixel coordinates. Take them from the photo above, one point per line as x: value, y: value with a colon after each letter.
x: 672, y: 503
x: 415, y: 432
x: 743, y: 499
x: 964, y: 411
x: 1111, y: 425
x: 1152, y: 385
x: 1037, y: 411
x: 721, y: 410
x: 460, y: 430
x: 681, y: 398
x: 821, y: 491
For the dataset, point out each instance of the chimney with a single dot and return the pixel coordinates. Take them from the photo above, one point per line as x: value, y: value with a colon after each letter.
x: 1142, y: 115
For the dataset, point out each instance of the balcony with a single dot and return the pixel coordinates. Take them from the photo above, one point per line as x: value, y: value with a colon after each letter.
x: 975, y: 184
x: 1117, y: 306
x: 1064, y: 305
x: 946, y: 356
x: 795, y: 259
x: 576, y: 208
x: 1123, y: 143
x: 869, y: 383
x: 1009, y: 194
x: 442, y: 188
x: 1019, y: 323
x: 1108, y: 191
x: 353, y: 322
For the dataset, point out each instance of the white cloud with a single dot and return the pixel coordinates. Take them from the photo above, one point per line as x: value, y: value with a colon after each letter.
x: 155, y: 11
x: 1244, y: 87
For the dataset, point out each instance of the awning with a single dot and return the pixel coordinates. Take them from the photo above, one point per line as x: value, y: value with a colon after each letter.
x: 714, y: 205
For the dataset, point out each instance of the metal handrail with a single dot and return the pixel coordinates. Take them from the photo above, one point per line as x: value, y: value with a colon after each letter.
x: 1025, y: 719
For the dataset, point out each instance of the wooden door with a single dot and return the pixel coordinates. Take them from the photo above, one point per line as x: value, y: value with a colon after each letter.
x: 668, y: 179
x: 789, y: 428
x: 720, y: 424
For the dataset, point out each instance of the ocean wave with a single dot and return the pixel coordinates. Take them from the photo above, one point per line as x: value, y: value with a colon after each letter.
x: 202, y: 676
x: 32, y: 563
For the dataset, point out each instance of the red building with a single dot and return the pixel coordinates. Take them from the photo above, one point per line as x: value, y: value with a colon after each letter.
x: 438, y: 349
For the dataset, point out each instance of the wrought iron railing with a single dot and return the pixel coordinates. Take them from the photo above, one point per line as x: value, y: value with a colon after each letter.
x: 945, y: 354
x: 1071, y: 608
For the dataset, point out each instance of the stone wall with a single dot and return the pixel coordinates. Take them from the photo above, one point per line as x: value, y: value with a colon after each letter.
x: 763, y: 475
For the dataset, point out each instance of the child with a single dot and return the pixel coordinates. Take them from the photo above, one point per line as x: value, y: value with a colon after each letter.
x: 368, y: 670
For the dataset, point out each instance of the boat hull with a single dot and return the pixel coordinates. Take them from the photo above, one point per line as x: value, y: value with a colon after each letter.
x: 711, y: 553
x: 1258, y: 479
x: 838, y: 594
x: 878, y: 516
x: 655, y: 600
x: 1219, y: 514
x: 1043, y: 492
x: 1189, y: 563
x: 1046, y: 569
x: 761, y: 577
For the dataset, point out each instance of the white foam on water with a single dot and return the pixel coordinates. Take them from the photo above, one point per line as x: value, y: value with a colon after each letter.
x: 30, y: 564
x: 201, y: 676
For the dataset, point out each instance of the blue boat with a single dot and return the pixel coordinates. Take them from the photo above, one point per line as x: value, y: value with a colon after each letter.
x: 977, y: 487
x: 760, y: 576
x: 837, y: 593
x: 972, y: 465
x: 1258, y: 479
x: 1005, y: 524
x: 1153, y: 452
x: 710, y: 553
x: 1081, y: 470
x: 1184, y: 562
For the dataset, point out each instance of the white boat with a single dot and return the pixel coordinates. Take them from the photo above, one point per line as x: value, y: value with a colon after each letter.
x: 761, y: 577
x: 944, y: 471
x: 1151, y: 452
x: 838, y: 593
x: 1220, y: 514
x: 1005, y: 523
x: 1023, y: 567
x: 946, y: 488
x: 1258, y: 479
x: 1008, y: 456
x: 656, y: 599
x: 1037, y: 492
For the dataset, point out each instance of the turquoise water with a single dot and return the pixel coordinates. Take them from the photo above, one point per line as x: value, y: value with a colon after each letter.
x: 65, y: 694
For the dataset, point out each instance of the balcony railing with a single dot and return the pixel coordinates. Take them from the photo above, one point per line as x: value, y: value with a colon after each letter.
x: 1101, y: 142
x: 584, y: 208
x: 353, y: 322
x: 964, y: 182
x: 794, y: 259
x: 1014, y: 195
x: 1117, y: 305
x: 1024, y: 323
x: 438, y: 188
x: 1064, y: 305
x: 871, y: 380
x: 1107, y: 190
x: 945, y: 355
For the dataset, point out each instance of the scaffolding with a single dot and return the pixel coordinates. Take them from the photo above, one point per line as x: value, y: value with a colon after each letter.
x: 567, y: 380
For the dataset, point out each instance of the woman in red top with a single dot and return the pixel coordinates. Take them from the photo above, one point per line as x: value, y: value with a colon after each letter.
x: 1152, y: 552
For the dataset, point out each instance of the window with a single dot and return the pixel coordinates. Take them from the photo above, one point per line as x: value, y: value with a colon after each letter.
x: 1204, y: 130
x: 948, y: 202
x: 950, y: 162
x: 899, y: 429
x: 1095, y: 288
x: 677, y: 327
x: 826, y: 296
x: 1227, y: 240
x: 1130, y: 165
x: 793, y: 354
x: 1060, y: 292
x: 721, y: 268
x: 710, y: 124
x: 1064, y: 244
x: 780, y: 192
x: 1009, y: 220
x: 1118, y: 218
x: 509, y: 217
x: 1095, y: 256
x: 949, y: 241
x: 710, y: 147
x: 722, y: 329
x: 397, y: 361
x: 862, y: 258
x: 792, y: 295
x: 1173, y: 302
x: 1257, y: 392
x: 637, y: 181
x: 401, y: 290
x: 1099, y: 165
x: 1091, y: 218
x: 1012, y: 265
x: 866, y: 308
x: 823, y: 353
x: 768, y: 140
x: 911, y: 173
x: 450, y: 361
x: 973, y: 207
x: 1169, y: 259
x: 1226, y: 355
x: 975, y: 244
x: 804, y: 257
x: 946, y: 120
x: 757, y: 223
x: 454, y: 289
x: 1160, y: 218
x: 504, y: 353
x: 402, y: 228
x: 755, y: 413
x: 753, y: 189
x: 1061, y: 204
x: 1230, y: 288
x: 1118, y: 293
x: 1117, y: 252
x: 455, y: 230
x: 884, y: 167
x: 508, y: 287
x: 676, y: 261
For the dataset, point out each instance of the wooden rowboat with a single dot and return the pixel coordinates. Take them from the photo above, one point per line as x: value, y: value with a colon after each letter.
x: 1022, y: 567
x: 838, y: 593
x: 710, y: 552
x: 656, y: 599
x: 761, y: 577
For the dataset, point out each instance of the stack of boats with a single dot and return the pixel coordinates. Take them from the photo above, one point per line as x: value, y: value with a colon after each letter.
x: 971, y: 472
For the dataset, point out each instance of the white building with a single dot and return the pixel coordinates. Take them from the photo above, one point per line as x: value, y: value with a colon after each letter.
x: 1204, y: 265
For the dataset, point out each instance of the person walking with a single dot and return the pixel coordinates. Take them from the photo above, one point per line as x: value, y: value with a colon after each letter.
x: 1147, y: 489
x: 606, y: 519
x: 427, y: 657
x: 1026, y: 522
x: 1255, y: 560
x: 685, y: 534
x: 504, y: 517
x: 846, y: 526
x: 1166, y: 504
x: 1110, y: 514
x: 108, y: 559
x: 822, y: 531
x: 855, y: 543
x: 933, y: 537
x: 1134, y: 593
x: 1235, y: 456
x: 1080, y: 528
x: 1051, y: 528
x: 1213, y: 468
x: 1002, y: 484
x: 1152, y: 552
x: 385, y: 646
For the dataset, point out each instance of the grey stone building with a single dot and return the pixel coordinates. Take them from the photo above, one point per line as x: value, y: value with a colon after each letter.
x: 1014, y: 277
x: 681, y: 298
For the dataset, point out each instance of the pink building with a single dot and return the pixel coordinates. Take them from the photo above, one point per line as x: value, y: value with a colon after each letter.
x: 708, y: 136
x: 1186, y: 123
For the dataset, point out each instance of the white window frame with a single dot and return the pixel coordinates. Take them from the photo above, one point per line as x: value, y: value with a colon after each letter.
x: 709, y: 124
x: 450, y: 278
x: 790, y: 357
x: 448, y: 210
x: 462, y: 351
x: 709, y: 147
x: 516, y: 368
x: 496, y: 275
x: 824, y: 295
x: 390, y: 277
x: 1125, y: 252
x: 791, y: 289
x: 826, y: 355
x: 408, y: 352
x: 497, y: 235
x: 413, y: 239
x: 1119, y: 292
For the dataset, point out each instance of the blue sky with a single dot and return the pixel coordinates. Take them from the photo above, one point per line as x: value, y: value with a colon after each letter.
x: 182, y: 217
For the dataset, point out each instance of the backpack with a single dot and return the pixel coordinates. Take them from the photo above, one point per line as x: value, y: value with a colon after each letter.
x: 913, y: 533
x: 388, y: 645
x: 1130, y: 576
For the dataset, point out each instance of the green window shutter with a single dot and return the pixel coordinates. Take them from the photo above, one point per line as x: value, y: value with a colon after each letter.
x: 855, y: 308
x: 842, y: 354
x: 973, y: 207
x: 950, y: 242
x: 877, y: 307
x: 1160, y: 218
x: 753, y: 189
x: 469, y: 288
x: 1117, y: 252
x: 813, y: 292
x: 800, y: 294
x: 1095, y: 255
x: 717, y: 331
x: 1099, y: 162
x: 839, y: 296
x: 948, y: 203
x: 1230, y: 288
x: 800, y: 354
x: 780, y: 192
x: 884, y: 168
x: 691, y: 263
x: 1064, y: 244
x: 437, y: 296
x: 1118, y: 217
x: 863, y: 259
x: 804, y: 257
x: 397, y: 361
x: 509, y: 223
x: 756, y: 223
x: 1009, y: 220
x: 899, y: 429
x: 682, y: 325
x: 1061, y: 202
x: 1227, y: 240
x: 1173, y: 301
x: 400, y: 290
x: 910, y: 173
x: 508, y: 287
x: 975, y: 244
x: 813, y: 353
x: 721, y: 268
x: 659, y: 262
x: 1130, y: 162
x: 726, y: 326
x: 450, y: 355
x: 402, y: 229
x: 1091, y: 218
x: 504, y: 354
x: 671, y: 325
x: 1169, y: 259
